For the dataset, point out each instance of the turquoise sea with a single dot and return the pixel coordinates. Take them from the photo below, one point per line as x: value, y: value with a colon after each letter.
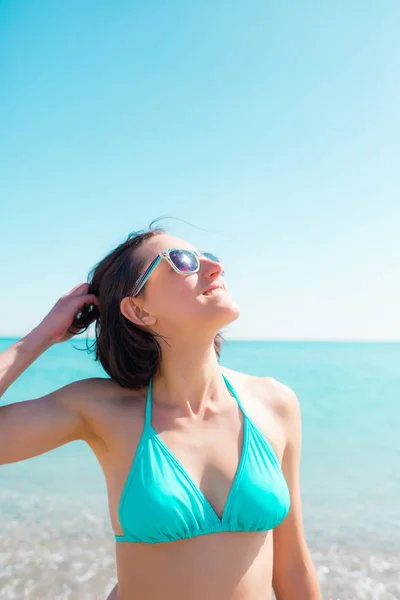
x: 55, y: 535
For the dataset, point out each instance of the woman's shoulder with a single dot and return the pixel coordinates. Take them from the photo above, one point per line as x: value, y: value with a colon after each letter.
x: 106, y: 404
x: 104, y: 390
x: 267, y: 390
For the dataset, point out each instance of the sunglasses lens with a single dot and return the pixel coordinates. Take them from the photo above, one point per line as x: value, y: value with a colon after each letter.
x: 211, y: 256
x: 185, y: 261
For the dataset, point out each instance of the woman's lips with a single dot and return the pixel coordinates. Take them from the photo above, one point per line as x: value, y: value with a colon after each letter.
x: 215, y: 288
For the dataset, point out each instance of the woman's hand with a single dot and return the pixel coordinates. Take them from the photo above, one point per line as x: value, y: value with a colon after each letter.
x: 55, y: 326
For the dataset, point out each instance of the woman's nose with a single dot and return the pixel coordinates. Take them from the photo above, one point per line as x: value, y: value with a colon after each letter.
x: 211, y: 268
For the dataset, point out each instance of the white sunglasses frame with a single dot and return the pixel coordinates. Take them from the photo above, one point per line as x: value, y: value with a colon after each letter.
x: 164, y: 254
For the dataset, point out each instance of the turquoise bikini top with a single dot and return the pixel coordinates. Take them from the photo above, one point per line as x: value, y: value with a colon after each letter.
x: 161, y: 503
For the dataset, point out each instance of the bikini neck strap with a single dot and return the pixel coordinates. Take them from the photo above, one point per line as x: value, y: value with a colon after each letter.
x: 148, y: 404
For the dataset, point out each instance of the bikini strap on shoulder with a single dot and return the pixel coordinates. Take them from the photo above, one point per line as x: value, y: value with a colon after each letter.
x: 234, y: 394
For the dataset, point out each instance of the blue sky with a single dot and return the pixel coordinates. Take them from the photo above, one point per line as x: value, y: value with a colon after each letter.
x: 274, y: 126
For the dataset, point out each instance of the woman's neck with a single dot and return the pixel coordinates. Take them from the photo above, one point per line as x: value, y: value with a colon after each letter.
x: 188, y: 377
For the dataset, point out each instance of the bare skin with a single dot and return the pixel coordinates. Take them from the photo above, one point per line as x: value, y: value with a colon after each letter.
x: 198, y: 420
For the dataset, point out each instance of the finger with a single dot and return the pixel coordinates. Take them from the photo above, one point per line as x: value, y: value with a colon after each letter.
x: 89, y: 299
x: 78, y: 290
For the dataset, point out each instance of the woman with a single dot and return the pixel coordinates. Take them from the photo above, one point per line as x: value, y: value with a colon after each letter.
x: 201, y: 463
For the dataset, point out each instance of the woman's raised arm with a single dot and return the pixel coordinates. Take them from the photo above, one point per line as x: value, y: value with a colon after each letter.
x: 32, y: 427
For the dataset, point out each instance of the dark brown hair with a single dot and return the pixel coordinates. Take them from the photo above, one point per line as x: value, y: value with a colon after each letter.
x: 129, y: 354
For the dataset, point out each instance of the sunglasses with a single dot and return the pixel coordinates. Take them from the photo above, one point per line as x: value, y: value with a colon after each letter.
x: 185, y: 262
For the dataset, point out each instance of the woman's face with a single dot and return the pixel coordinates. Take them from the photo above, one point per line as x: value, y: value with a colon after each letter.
x: 171, y: 302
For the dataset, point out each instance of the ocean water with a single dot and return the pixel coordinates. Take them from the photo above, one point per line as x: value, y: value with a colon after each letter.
x: 55, y: 534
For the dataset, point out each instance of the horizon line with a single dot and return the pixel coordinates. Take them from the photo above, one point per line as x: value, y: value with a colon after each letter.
x: 266, y: 340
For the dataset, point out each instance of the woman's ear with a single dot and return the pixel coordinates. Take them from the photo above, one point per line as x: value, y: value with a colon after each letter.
x: 133, y: 311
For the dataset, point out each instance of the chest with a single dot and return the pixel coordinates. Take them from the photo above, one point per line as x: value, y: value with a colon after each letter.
x: 211, y: 452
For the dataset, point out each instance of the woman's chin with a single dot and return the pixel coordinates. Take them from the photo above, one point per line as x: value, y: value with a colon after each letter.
x: 228, y: 312
x: 220, y: 310
x: 235, y: 313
